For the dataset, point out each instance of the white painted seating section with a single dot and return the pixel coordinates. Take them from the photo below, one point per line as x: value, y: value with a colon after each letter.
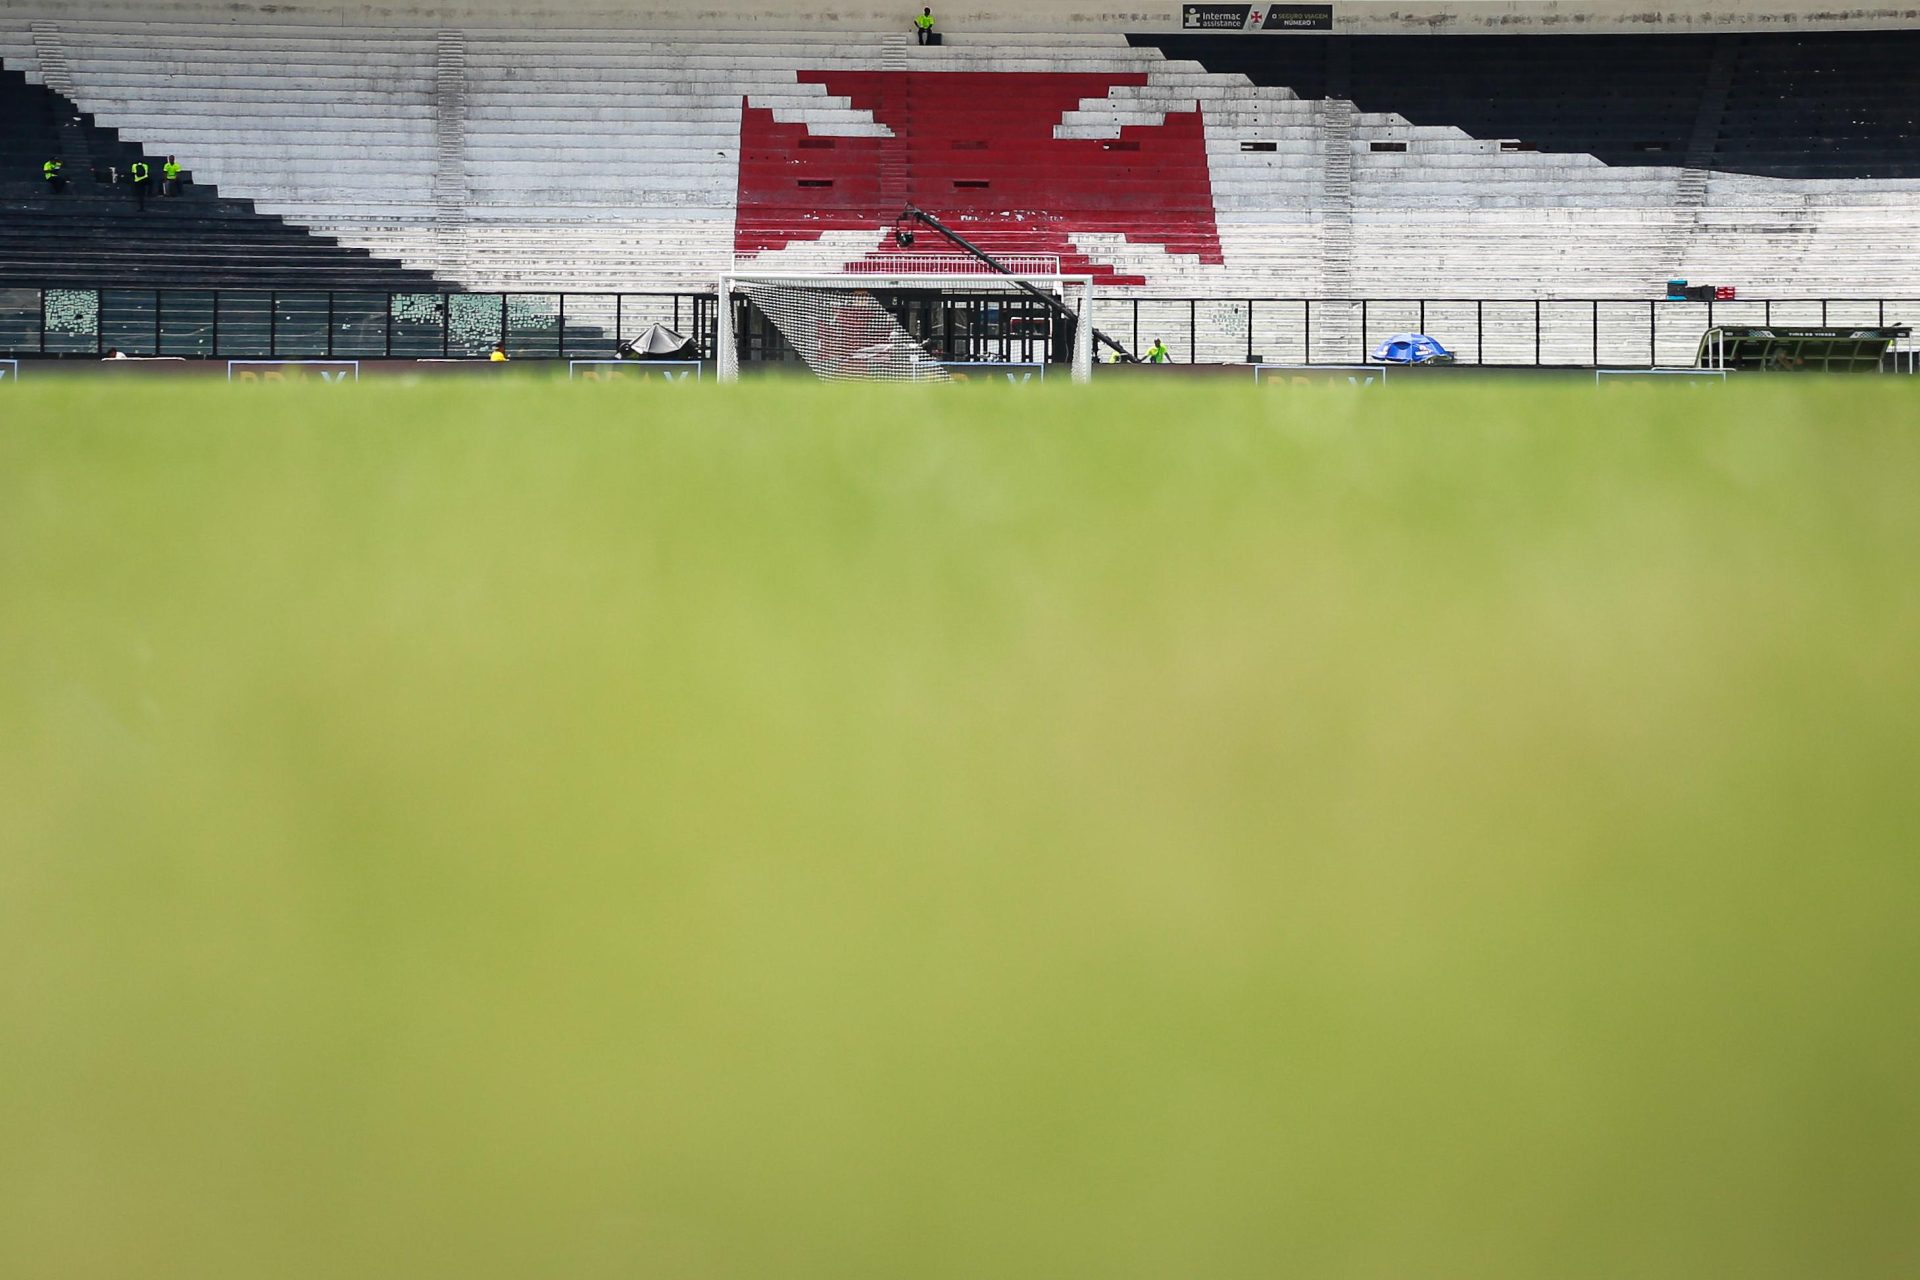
x: 602, y: 160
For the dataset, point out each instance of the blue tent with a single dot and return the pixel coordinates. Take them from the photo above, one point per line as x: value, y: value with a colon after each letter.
x: 1412, y: 348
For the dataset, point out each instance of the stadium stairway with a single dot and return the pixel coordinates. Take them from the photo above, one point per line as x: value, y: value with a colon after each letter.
x: 95, y: 234
x: 647, y: 160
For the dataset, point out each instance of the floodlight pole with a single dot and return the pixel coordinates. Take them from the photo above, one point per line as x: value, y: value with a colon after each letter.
x: 913, y: 213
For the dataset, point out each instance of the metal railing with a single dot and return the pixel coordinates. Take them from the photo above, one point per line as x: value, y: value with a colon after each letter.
x: 317, y: 324
x: 1508, y: 332
x: 1504, y: 332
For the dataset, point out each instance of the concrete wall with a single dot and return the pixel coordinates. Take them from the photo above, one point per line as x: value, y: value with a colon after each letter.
x: 1351, y: 16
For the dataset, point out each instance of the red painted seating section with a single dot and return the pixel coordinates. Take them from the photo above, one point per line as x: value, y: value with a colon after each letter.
x: 977, y: 150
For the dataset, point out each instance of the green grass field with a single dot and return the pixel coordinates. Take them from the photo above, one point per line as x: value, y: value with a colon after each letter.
x: 526, y: 831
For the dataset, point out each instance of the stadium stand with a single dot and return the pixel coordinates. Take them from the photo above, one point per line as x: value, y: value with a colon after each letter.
x: 96, y: 234
x: 528, y: 156
x: 1785, y: 162
x: 1818, y: 104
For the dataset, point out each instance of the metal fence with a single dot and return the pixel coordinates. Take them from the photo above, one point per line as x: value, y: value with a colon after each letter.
x: 254, y: 324
x: 242, y: 324
x: 1523, y: 332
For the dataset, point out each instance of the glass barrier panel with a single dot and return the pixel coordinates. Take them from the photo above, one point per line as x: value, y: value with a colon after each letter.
x: 1506, y: 335
x: 245, y: 324
x: 19, y: 322
x: 473, y: 323
x: 1677, y: 335
x: 360, y: 326
x: 128, y: 322
x: 1455, y: 326
x: 533, y: 324
x: 1626, y: 335
x: 300, y: 326
x: 186, y: 322
x: 589, y: 331
x: 414, y: 326
x: 73, y: 322
x: 1566, y: 333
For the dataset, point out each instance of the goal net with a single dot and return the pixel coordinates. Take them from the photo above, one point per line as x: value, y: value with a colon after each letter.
x: 841, y: 329
x: 843, y: 335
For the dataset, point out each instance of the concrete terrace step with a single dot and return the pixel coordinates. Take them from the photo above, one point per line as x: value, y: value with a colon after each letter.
x: 337, y: 123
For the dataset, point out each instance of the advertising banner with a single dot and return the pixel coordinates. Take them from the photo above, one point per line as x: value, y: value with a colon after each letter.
x: 1319, y: 375
x: 636, y: 370
x: 1005, y: 373
x: 282, y: 371
x: 1256, y: 17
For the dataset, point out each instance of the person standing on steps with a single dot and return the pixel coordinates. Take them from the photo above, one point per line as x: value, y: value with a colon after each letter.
x: 170, y: 178
x: 924, y: 26
x: 1158, y: 353
x: 142, y: 175
x: 51, y: 174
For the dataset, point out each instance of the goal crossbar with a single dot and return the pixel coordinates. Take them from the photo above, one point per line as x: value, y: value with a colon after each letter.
x: 956, y: 281
x: 1028, y: 265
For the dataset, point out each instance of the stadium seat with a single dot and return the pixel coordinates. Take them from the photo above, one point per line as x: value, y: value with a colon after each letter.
x: 1478, y: 167
x: 94, y: 233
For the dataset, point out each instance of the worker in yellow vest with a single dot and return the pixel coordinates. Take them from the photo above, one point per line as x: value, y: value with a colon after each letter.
x: 142, y: 175
x: 51, y: 172
x: 924, y: 23
x: 1158, y: 353
x: 499, y: 353
x: 170, y: 177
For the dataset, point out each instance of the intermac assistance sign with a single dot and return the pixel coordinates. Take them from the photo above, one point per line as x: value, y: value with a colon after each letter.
x: 1257, y: 17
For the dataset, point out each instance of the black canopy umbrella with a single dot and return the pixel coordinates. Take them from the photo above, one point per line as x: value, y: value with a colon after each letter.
x: 657, y: 342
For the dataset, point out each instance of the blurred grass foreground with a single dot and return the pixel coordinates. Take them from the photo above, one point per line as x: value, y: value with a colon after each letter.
x: 523, y: 831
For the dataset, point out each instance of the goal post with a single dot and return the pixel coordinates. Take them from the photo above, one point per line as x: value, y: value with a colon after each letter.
x: 838, y: 325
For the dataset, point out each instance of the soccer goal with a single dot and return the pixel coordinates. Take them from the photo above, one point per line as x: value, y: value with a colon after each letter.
x: 846, y: 326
